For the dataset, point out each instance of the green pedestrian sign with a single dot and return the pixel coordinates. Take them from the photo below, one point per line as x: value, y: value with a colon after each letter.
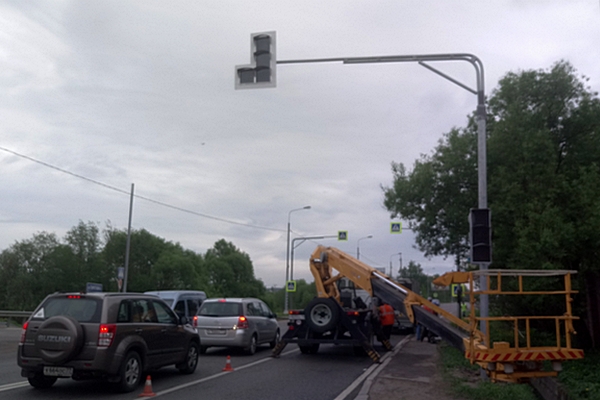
x: 290, y: 286
x: 342, y: 236
x: 396, y: 227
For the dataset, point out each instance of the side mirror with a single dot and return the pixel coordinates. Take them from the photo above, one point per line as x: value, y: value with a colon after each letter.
x: 183, y: 320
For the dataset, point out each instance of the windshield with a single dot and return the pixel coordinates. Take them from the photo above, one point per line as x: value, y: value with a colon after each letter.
x: 220, y: 309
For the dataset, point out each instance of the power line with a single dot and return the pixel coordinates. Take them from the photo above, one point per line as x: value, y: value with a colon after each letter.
x: 160, y: 203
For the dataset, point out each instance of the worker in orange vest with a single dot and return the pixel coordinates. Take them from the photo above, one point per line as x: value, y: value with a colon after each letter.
x: 387, y: 318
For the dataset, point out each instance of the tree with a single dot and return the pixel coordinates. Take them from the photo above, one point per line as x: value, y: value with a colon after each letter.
x: 414, y: 272
x: 543, y: 165
x: 231, y: 272
x: 437, y: 194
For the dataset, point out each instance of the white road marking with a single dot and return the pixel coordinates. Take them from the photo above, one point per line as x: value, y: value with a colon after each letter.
x: 15, y: 385
x: 208, y: 378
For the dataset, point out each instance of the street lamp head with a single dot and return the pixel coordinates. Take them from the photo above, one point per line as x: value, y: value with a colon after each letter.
x: 306, y: 207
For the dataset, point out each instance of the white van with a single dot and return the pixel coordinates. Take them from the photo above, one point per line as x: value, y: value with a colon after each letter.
x: 183, y: 302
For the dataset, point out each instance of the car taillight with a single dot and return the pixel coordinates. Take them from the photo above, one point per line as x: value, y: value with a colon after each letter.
x: 106, y: 334
x: 24, y: 332
x: 195, y: 321
x: 243, y: 323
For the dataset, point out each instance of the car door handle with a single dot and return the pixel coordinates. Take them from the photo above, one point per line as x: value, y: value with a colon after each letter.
x: 139, y: 331
x: 163, y: 330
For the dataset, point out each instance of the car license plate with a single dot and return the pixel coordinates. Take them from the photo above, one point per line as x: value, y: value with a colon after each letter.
x: 216, y: 331
x: 58, y: 371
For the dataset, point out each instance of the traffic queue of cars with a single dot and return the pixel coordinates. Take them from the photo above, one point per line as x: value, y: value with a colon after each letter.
x: 120, y: 336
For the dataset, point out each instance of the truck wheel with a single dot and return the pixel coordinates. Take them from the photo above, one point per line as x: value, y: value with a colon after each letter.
x: 39, y: 381
x: 309, y: 349
x: 322, y: 314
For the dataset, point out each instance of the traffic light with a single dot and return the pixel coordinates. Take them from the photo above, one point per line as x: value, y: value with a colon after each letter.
x: 261, y: 72
x: 480, y: 235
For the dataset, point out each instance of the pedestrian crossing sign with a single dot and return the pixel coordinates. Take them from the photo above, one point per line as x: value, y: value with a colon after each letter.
x: 291, y: 286
x: 396, y: 227
x: 342, y: 236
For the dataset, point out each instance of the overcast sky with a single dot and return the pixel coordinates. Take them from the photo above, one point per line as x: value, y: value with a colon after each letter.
x: 142, y: 92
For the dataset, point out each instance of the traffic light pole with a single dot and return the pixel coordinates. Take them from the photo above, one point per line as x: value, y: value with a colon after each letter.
x: 261, y: 72
x: 481, y: 116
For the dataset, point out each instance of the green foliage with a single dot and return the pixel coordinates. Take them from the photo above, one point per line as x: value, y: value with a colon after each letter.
x: 231, y: 272
x: 581, y: 378
x: 466, y: 383
x: 543, y: 159
x: 436, y: 193
x: 33, y: 268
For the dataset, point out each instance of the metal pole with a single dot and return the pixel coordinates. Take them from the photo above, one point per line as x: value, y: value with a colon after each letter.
x: 303, y: 239
x: 287, y: 259
x: 126, y: 274
x: 287, y: 268
x: 481, y: 116
x: 358, y: 244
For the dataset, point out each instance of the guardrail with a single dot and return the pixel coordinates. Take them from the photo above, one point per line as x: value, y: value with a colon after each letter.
x: 20, y: 315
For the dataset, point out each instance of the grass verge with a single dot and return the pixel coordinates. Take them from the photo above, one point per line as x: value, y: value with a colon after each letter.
x: 465, y: 381
x: 581, y: 378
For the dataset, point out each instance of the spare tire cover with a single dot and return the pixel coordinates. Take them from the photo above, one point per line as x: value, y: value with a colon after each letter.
x: 59, y: 339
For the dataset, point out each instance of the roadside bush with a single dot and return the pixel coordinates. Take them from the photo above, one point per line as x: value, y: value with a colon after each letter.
x: 581, y: 378
x: 465, y: 381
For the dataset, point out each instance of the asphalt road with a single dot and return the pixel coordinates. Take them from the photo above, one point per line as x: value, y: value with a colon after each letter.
x: 334, y: 373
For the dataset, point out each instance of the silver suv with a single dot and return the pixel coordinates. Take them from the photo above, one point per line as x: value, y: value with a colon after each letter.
x: 236, y: 322
x: 115, y: 336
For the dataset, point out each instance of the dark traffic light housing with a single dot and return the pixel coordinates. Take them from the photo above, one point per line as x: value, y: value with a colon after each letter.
x: 261, y: 72
x: 480, y: 235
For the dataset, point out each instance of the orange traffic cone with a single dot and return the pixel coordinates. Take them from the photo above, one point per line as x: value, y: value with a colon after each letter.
x: 147, y: 388
x: 228, y: 365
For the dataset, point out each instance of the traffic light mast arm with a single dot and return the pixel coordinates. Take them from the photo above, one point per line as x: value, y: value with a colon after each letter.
x: 421, y: 59
x: 481, y: 118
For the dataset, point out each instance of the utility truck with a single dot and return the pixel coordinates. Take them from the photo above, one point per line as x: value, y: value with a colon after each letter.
x: 339, y: 315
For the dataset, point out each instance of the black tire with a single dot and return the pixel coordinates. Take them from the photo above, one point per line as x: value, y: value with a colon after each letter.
x: 130, y: 372
x: 275, y: 340
x: 191, y: 359
x: 309, y: 349
x: 59, y: 339
x: 39, y: 381
x: 251, y: 349
x: 322, y: 314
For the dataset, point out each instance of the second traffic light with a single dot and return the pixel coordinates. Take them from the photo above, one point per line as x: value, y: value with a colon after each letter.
x: 261, y: 72
x: 480, y: 235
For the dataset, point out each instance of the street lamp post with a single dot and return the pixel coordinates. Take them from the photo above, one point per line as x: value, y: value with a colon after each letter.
x: 294, y: 245
x: 395, y: 254
x: 357, y: 245
x: 287, y: 257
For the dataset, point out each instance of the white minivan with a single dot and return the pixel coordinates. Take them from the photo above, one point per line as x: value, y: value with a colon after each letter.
x: 185, y: 303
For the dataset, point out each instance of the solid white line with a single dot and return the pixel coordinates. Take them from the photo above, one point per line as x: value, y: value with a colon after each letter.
x: 371, y: 373
x: 208, y: 378
x: 15, y: 385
